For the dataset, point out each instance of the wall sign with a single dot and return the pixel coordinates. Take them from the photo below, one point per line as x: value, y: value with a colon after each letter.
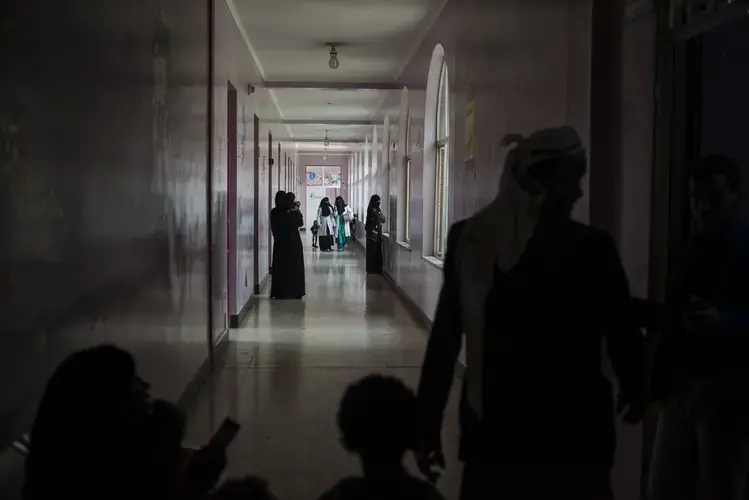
x: 470, y: 124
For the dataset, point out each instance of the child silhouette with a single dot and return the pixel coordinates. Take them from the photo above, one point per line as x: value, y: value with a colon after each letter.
x: 377, y: 420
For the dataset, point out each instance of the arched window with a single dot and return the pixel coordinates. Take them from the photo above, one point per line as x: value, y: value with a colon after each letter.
x: 441, y: 177
x: 407, y: 183
x: 402, y: 164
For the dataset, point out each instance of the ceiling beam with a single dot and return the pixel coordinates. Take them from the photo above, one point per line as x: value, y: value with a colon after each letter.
x: 332, y: 141
x: 333, y: 85
x: 332, y: 122
x: 323, y: 153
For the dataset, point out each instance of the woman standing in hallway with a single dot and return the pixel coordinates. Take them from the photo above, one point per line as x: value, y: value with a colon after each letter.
x: 288, y: 253
x: 373, y: 227
x: 326, y: 219
x: 535, y: 293
x: 344, y: 215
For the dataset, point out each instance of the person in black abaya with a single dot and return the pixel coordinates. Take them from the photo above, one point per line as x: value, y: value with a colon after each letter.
x: 288, y: 254
x: 373, y: 227
x: 326, y: 220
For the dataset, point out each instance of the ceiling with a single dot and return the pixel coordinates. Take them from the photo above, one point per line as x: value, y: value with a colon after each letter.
x: 376, y: 39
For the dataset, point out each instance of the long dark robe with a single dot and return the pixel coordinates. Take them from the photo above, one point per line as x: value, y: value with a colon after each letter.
x: 373, y: 228
x: 547, y: 426
x: 288, y: 255
x: 326, y: 242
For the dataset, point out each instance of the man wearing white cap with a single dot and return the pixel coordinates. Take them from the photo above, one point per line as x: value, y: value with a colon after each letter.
x: 535, y: 294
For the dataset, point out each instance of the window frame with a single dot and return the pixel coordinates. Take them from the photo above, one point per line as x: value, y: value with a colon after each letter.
x: 442, y: 165
x: 407, y: 200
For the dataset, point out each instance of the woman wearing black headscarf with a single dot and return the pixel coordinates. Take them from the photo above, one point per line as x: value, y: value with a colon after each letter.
x: 97, y: 434
x: 326, y: 219
x: 288, y: 254
x: 373, y: 227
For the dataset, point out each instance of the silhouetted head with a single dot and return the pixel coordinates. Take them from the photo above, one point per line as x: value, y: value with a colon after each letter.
x: 325, y: 207
x: 377, y: 419
x: 716, y: 191
x: 282, y: 200
x: 551, y: 162
x: 374, y: 202
x: 340, y: 205
x: 88, y: 425
x: 292, y: 197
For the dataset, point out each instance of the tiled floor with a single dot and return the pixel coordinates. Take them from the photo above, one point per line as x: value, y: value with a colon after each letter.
x: 287, y: 369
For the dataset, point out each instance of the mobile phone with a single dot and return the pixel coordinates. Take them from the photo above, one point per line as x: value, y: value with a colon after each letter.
x: 225, y: 434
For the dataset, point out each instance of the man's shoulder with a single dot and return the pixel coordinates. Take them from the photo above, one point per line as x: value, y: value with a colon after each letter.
x: 591, y: 236
x: 349, y: 487
x: 456, y: 230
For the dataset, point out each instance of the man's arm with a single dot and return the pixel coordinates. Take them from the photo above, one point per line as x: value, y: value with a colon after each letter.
x: 443, y: 348
x: 625, y: 344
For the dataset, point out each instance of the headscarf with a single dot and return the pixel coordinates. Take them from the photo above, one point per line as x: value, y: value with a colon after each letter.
x: 325, y: 207
x: 282, y: 200
x: 496, y: 237
x: 374, y: 202
x: 340, y: 205
x: 372, y: 220
x: 91, y: 410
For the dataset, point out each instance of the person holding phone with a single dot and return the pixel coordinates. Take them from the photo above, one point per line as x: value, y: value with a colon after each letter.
x: 98, y: 433
x: 373, y: 227
x: 701, y: 370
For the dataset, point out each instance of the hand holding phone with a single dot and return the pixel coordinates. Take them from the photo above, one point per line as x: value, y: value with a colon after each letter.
x: 224, y: 435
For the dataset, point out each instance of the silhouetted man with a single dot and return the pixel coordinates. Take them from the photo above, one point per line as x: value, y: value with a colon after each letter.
x: 533, y: 293
x: 701, y: 372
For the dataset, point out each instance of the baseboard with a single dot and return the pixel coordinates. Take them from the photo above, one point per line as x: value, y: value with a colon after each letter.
x: 259, y: 288
x: 204, y: 373
x: 417, y: 314
x: 413, y: 309
x: 236, y: 319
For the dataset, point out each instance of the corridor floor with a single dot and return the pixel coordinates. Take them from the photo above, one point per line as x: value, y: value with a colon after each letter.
x: 288, y: 366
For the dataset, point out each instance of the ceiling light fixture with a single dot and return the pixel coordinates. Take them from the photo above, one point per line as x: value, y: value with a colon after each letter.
x: 326, y: 142
x: 333, y: 62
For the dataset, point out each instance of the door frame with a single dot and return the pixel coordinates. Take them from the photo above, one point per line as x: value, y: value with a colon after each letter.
x: 278, y: 167
x: 231, y: 197
x: 256, y: 203
x: 270, y: 199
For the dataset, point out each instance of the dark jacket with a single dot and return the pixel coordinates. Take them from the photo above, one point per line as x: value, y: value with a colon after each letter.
x: 715, y: 268
x: 545, y: 397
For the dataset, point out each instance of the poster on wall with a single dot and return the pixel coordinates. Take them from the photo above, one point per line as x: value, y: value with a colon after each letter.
x: 314, y: 179
x: 333, y: 179
x: 470, y: 115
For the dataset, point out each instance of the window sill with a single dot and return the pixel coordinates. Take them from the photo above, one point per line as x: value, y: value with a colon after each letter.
x: 434, y: 261
x: 405, y: 245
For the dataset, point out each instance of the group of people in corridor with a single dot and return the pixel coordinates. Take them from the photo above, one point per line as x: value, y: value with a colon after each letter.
x: 334, y: 226
x: 532, y: 296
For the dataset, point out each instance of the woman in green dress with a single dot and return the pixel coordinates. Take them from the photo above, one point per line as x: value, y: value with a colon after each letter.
x: 344, y: 214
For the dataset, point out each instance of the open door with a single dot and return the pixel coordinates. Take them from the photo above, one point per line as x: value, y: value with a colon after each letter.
x: 231, y: 202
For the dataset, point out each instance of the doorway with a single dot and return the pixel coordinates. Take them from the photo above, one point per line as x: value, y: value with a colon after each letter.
x: 231, y: 203
x: 256, y: 204
x: 321, y: 182
x: 278, y: 168
x: 270, y: 200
